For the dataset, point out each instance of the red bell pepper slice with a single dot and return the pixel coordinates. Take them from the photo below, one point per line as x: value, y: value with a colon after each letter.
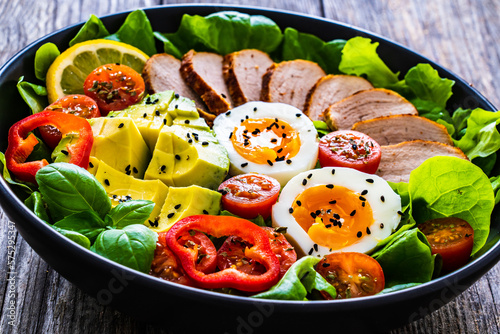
x: 22, y: 142
x: 219, y: 226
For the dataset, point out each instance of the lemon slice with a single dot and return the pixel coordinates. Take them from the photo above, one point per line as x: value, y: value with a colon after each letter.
x: 68, y: 72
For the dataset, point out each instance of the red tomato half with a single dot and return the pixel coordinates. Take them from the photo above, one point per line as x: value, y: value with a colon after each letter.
x: 352, y: 274
x: 250, y: 195
x: 451, y: 237
x: 114, y: 87
x: 78, y: 105
x: 347, y: 148
x: 232, y: 253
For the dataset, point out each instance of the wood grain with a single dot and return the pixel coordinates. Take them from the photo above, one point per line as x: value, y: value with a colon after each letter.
x: 462, y: 36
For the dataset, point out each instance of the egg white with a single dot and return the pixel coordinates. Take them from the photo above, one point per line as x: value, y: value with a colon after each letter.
x: 305, y: 159
x: 386, y: 211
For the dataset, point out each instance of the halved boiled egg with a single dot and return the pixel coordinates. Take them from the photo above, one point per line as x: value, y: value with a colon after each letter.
x: 274, y: 139
x: 337, y: 209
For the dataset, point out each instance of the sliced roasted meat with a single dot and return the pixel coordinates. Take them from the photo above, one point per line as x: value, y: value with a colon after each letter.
x: 331, y: 89
x: 390, y: 130
x: 202, y: 71
x: 367, y: 104
x: 161, y: 73
x: 243, y: 71
x: 399, y: 160
x: 290, y: 81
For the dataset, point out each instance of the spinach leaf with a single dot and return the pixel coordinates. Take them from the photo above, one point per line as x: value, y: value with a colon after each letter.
x: 25, y: 187
x: 136, y: 31
x: 75, y: 236
x: 397, y: 288
x: 452, y: 187
x: 92, y: 29
x: 223, y: 32
x: 44, y: 57
x: 36, y: 204
x: 40, y: 151
x: 168, y: 46
x: 297, y: 45
x: 406, y: 259
x: 130, y: 212
x: 133, y: 246
x: 298, y: 281
x: 35, y: 96
x: 359, y: 57
x: 86, y: 223
x: 68, y: 189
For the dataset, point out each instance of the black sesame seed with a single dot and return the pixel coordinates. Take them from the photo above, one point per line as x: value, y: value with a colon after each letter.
x: 315, y: 247
x: 270, y: 162
x: 318, y: 212
x: 135, y: 170
x: 205, y: 212
x: 290, y: 210
x: 368, y: 231
x: 176, y: 106
x: 336, y: 216
x: 310, y: 251
x: 190, y: 141
x: 255, y: 109
x: 244, y: 164
x: 299, y: 203
x: 359, y: 234
x: 188, y: 135
x: 157, y: 112
x: 230, y: 135
x: 333, y: 202
x: 115, y: 196
x: 247, y: 117
x: 289, y: 161
x: 164, y: 121
x: 283, y: 135
x: 176, y: 96
x: 223, y: 95
x: 364, y: 192
x: 304, y: 182
x: 128, y: 172
x: 151, y: 223
x: 369, y: 180
x: 333, y: 171
x: 170, y: 215
x: 381, y: 225
x: 127, y: 168
x: 361, y: 198
x: 298, y: 115
x: 382, y: 198
x: 106, y: 181
x: 328, y: 225
x: 274, y: 140
x: 352, y: 213
x: 178, y: 157
x: 186, y: 121
x: 120, y: 125
x: 163, y: 167
x: 177, y: 207
x: 329, y: 186
x: 313, y: 215
x: 363, y: 204
x: 241, y: 120
x: 325, y: 264
x: 228, y: 113
x: 91, y: 165
x: 205, y: 143
x: 309, y: 176
x: 280, y: 150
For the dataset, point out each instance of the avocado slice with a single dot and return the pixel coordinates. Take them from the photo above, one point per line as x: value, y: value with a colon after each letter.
x: 183, y: 202
x: 121, y: 188
x: 185, y: 156
x: 118, y: 142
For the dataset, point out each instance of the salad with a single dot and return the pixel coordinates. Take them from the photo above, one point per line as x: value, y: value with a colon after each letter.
x: 156, y: 183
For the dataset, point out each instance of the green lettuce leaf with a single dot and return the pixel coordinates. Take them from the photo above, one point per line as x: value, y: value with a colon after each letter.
x: 495, y: 184
x: 297, y: 45
x: 298, y: 281
x: 452, y: 187
x: 223, y: 32
x: 92, y: 29
x: 35, y: 96
x: 427, y: 85
x: 44, y: 57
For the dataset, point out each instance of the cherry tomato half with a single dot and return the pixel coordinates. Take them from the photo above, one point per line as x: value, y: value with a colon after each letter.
x: 352, y: 274
x: 232, y: 253
x: 114, y: 87
x: 347, y: 148
x: 250, y: 195
x: 78, y: 105
x: 451, y: 237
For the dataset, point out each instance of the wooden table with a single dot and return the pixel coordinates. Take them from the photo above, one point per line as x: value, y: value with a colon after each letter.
x: 462, y: 36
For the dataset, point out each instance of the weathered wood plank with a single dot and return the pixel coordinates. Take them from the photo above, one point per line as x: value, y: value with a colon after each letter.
x: 461, y: 36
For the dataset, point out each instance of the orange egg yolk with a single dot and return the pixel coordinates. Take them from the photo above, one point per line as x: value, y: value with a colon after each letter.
x: 265, y: 140
x: 333, y: 216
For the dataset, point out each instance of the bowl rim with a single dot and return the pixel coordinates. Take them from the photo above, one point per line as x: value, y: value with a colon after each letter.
x: 8, y: 197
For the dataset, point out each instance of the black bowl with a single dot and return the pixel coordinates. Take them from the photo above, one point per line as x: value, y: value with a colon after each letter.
x: 184, y: 308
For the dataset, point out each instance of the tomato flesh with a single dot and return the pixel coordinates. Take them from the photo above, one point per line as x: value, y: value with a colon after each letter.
x: 351, y: 274
x: 114, y: 87
x: 450, y: 237
x: 249, y: 195
x: 352, y: 149
x: 78, y: 105
x: 232, y: 254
